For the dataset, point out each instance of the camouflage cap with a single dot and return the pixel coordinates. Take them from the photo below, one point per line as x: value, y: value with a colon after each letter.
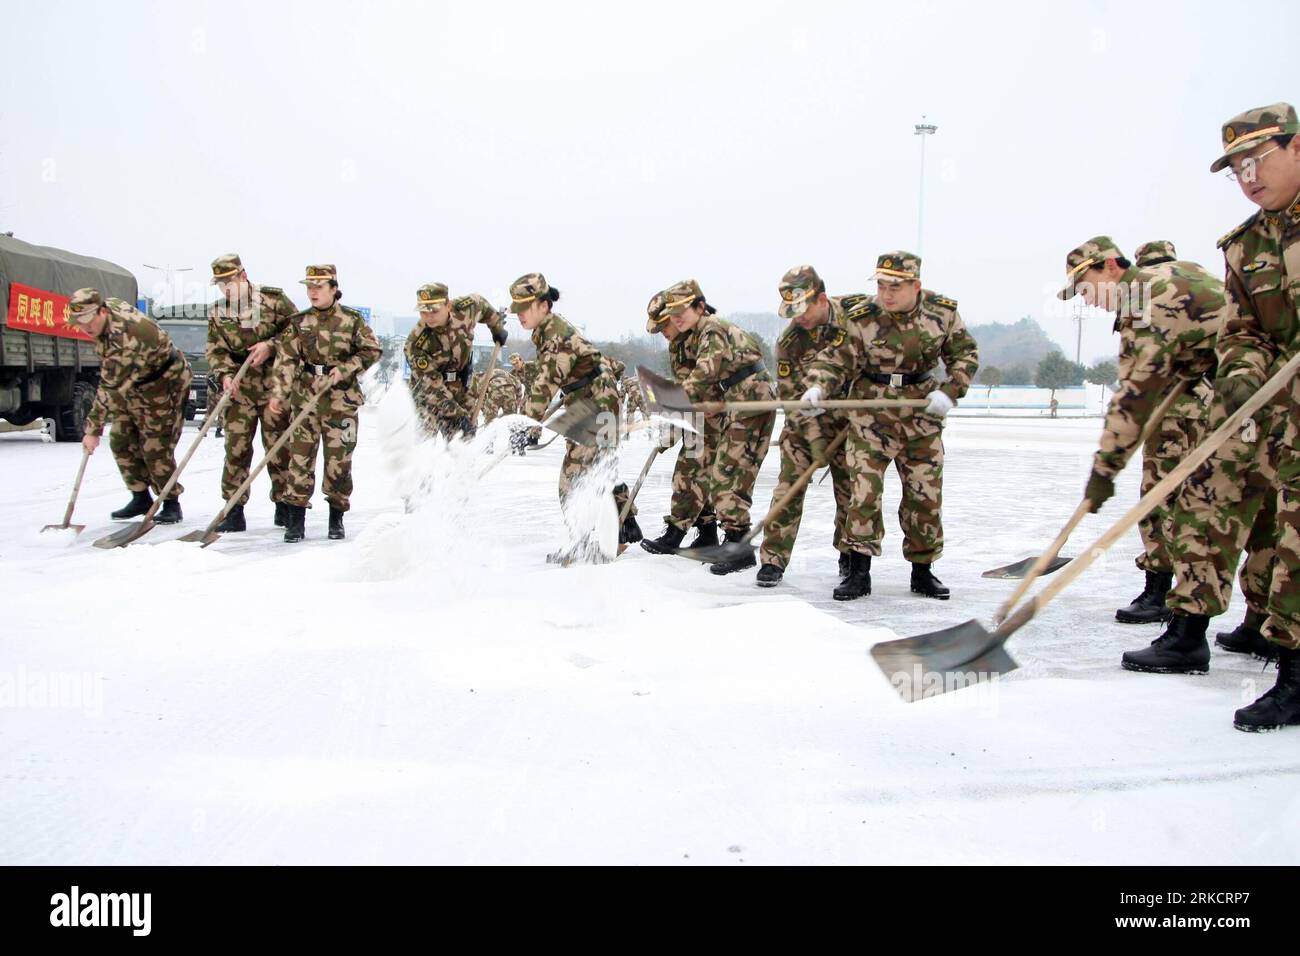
x: 799, y: 289
x: 84, y: 304
x: 898, y: 266
x: 679, y: 296
x: 655, y: 319
x: 1247, y: 130
x: 1090, y: 254
x: 316, y: 274
x: 223, y: 267
x: 430, y: 297
x: 527, y: 289
x: 1159, y: 250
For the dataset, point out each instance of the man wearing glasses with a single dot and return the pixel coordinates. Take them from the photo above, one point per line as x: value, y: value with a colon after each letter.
x: 1261, y: 330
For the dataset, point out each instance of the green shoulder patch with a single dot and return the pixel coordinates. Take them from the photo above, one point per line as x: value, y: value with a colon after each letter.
x: 941, y: 300
x: 300, y: 313
x: 352, y: 312
x: 865, y: 307
x: 1232, y: 234
x: 462, y: 302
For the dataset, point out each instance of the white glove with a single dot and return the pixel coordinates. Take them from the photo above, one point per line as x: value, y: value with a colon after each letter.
x: 813, y: 396
x: 940, y: 404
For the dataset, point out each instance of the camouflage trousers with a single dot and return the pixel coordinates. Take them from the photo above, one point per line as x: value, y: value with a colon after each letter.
x: 143, y: 437
x: 333, y: 424
x: 742, y: 446
x: 579, y: 460
x: 691, y: 502
x: 636, y: 403
x: 242, y: 417
x: 1171, y: 442
x: 1283, y: 625
x: 499, y: 403
x: 915, y: 445
x: 1223, y: 507
x: 796, y: 458
x: 214, y: 396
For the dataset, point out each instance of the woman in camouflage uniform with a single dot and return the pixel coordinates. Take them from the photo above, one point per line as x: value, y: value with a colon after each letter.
x: 728, y: 367
x: 440, y: 352
x: 567, y: 362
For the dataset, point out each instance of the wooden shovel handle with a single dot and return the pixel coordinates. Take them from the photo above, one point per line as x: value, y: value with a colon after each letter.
x: 482, y: 389
x: 795, y: 488
x: 76, y: 488
x: 636, y: 489
x: 712, y: 408
x: 1153, y: 498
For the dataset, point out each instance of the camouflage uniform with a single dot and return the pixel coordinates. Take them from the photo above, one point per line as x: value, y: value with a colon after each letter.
x: 214, y: 396
x: 893, y: 356
x: 692, y: 502
x: 144, y: 382
x: 502, y: 395
x: 795, y: 349
x: 1168, y: 320
x: 441, y: 358
x: 315, y: 343
x: 567, y: 362
x: 1153, y: 253
x: 526, y: 374
x: 635, y: 402
x: 232, y: 330
x: 728, y: 367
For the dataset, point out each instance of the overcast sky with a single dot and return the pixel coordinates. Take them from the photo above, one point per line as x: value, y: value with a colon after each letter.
x: 619, y: 148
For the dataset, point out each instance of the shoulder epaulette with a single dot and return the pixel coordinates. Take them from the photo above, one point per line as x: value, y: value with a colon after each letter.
x: 865, y: 309
x: 462, y: 302
x: 1234, y: 233
x: 271, y: 290
x: 300, y: 313
x: 352, y: 312
x: 941, y: 300
x: 853, y: 300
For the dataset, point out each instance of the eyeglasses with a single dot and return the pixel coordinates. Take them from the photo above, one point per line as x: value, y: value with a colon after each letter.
x: 1247, y: 172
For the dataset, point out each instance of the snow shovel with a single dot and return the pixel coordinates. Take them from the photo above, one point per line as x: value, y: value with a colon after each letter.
x: 482, y: 389
x: 732, y: 550
x: 210, y: 534
x: 1046, y: 563
x: 663, y: 395
x: 72, y: 502
x: 120, y: 539
x: 954, y: 657
x: 636, y: 489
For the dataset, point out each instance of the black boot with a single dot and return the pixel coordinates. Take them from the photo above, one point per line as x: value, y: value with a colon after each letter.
x: 707, y: 536
x: 336, y: 524
x: 925, y: 583
x: 735, y: 564
x: 1280, y: 705
x: 1181, y: 649
x: 295, y: 523
x: 857, y: 582
x: 1149, y: 606
x: 138, y: 505
x: 280, y: 514
x: 170, y: 513
x: 1248, y: 638
x: 666, y: 543
x: 769, y: 576
x: 629, y: 532
x: 844, y: 564
x: 234, y: 521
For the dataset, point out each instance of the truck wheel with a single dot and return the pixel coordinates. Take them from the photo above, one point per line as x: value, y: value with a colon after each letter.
x: 70, y: 422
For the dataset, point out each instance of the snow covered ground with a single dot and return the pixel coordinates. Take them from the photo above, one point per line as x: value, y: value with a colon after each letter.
x: 431, y: 690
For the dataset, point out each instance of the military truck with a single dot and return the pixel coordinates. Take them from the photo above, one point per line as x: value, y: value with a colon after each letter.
x: 49, y: 369
x: 188, y: 327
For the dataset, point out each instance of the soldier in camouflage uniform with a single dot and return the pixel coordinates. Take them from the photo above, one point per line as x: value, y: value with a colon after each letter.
x: 690, y: 504
x: 728, y: 366
x: 502, y: 396
x: 1167, y: 316
x: 214, y: 396
x: 144, y: 382
x: 525, y: 373
x: 817, y: 322
x: 440, y: 352
x: 246, y: 320
x: 896, y: 341
x: 1260, y: 332
x: 326, y: 341
x: 635, y: 403
x: 568, y: 363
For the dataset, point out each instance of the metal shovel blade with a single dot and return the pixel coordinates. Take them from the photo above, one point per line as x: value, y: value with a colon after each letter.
x: 578, y: 422
x: 929, y: 664
x: 661, y: 394
x: 76, y: 528
x: 727, y: 551
x: 203, y: 535
x: 1020, y: 568
x: 120, y: 539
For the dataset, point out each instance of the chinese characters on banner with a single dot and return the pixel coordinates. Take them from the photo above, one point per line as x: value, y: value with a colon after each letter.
x: 35, y: 310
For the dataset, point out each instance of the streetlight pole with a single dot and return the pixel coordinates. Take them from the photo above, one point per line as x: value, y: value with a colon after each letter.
x: 923, y: 129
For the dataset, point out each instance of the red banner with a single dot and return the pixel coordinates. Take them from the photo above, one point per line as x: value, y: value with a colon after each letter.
x: 35, y: 310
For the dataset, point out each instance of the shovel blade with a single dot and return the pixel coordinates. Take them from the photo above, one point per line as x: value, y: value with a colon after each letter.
x: 123, y: 537
x: 727, y: 551
x: 1019, y: 569
x: 941, y: 661
x: 203, y: 535
x: 578, y: 422
x: 661, y: 394
x: 76, y: 528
